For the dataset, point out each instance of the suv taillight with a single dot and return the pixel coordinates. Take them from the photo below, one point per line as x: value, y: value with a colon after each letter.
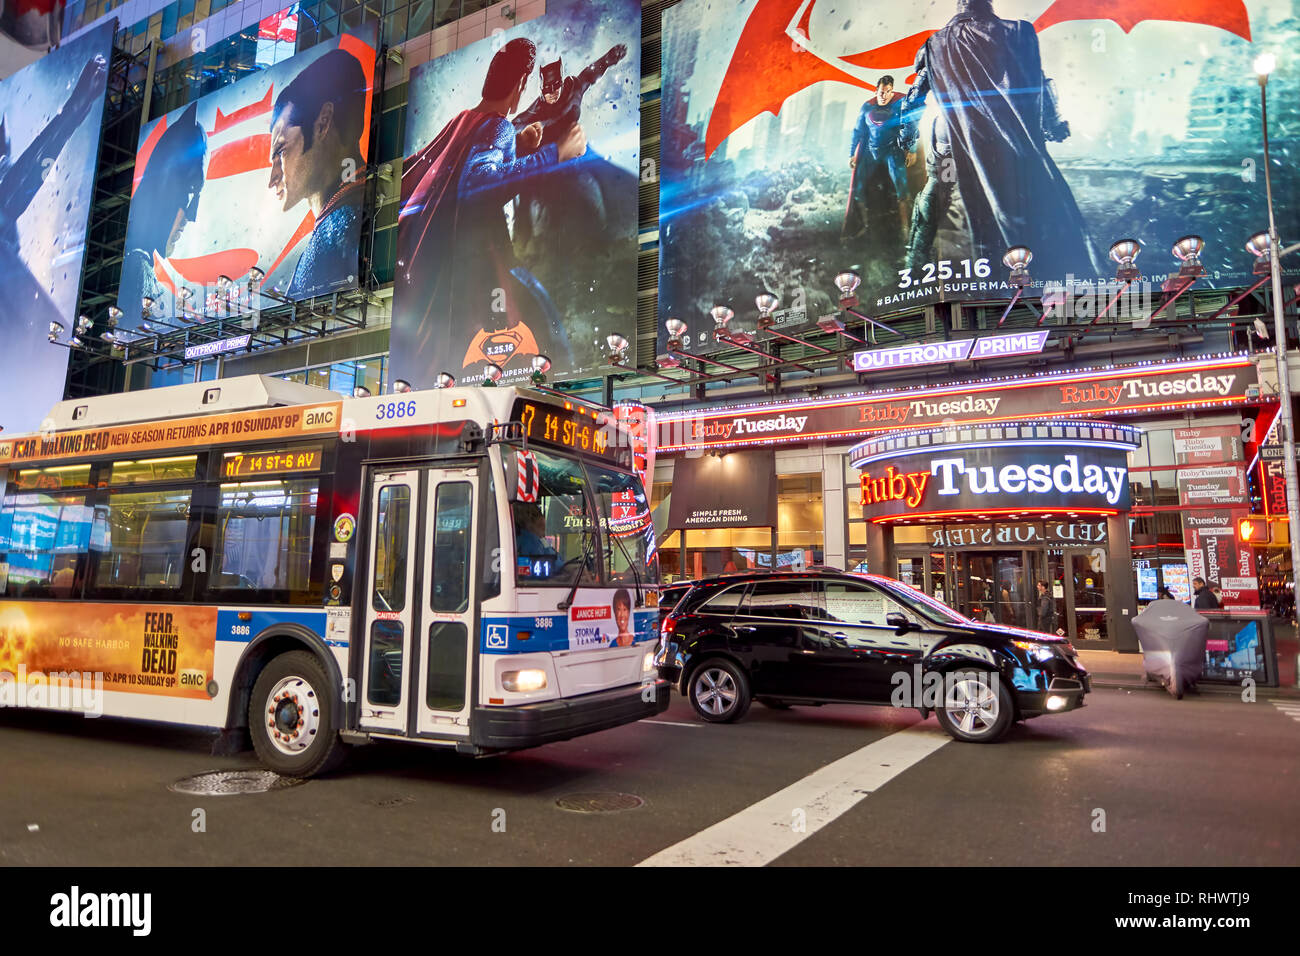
x: 667, y: 627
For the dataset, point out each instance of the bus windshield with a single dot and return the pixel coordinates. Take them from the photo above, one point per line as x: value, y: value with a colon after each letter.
x: 629, y: 546
x: 583, y: 524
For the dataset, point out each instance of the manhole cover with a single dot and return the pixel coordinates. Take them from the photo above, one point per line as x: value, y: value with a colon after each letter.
x: 223, y: 783
x: 599, y: 802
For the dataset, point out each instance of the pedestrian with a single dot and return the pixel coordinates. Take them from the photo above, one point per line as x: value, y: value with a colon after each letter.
x: 1165, y: 594
x: 1046, y: 610
x: 1205, y: 599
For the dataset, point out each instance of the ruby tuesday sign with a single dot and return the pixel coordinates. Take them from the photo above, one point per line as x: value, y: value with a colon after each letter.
x: 1100, y: 392
x: 956, y: 481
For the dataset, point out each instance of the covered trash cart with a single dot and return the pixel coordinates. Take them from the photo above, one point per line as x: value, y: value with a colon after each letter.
x: 1173, y: 644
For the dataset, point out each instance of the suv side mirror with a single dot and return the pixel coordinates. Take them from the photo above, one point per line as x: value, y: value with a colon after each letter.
x: 898, y: 620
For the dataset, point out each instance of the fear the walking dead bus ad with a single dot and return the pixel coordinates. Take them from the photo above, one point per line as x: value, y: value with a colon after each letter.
x: 50, y: 115
x: 518, y: 229
x: 916, y: 142
x: 268, y: 173
x: 140, y: 650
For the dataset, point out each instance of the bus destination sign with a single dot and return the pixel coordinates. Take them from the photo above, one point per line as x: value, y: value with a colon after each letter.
x: 240, y: 465
x: 577, y: 429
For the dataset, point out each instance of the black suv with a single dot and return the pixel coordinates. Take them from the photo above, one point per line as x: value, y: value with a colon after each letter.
x: 817, y: 637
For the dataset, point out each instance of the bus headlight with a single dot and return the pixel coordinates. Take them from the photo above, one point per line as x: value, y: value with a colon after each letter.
x: 521, y: 682
x: 648, y: 662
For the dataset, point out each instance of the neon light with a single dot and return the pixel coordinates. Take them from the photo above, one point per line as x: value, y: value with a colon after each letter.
x: 962, y: 446
x: 991, y: 384
x: 976, y: 512
x: 850, y: 432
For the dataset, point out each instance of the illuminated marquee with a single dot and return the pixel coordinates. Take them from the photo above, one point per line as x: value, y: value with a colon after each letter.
x: 1043, y: 471
x: 1216, y: 382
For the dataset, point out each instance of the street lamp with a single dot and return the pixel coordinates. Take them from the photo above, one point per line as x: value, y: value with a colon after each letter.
x: 541, y: 365
x: 1265, y: 63
x: 1124, y: 253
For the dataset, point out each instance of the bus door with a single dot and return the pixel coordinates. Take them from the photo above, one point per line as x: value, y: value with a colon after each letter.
x: 392, y: 594
x: 448, y: 602
x: 421, y: 601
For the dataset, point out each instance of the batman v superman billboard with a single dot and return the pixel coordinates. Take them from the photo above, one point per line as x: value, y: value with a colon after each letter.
x: 267, y: 174
x: 517, y: 236
x: 916, y: 142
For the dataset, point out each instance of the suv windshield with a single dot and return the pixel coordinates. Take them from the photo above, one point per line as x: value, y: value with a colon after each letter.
x: 549, y: 531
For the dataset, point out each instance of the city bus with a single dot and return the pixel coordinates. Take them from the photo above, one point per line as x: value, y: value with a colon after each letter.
x: 473, y: 568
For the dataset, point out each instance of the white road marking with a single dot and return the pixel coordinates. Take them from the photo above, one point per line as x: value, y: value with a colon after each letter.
x: 760, y: 833
x: 1291, y: 710
x: 670, y: 723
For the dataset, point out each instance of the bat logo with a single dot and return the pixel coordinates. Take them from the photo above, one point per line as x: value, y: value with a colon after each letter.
x: 775, y: 57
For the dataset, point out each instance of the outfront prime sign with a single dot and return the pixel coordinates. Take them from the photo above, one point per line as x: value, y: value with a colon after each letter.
x: 952, y: 480
x: 963, y: 350
x: 1107, y: 392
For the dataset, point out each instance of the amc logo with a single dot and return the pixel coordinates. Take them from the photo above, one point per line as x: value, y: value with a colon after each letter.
x: 322, y: 417
x: 6, y: 449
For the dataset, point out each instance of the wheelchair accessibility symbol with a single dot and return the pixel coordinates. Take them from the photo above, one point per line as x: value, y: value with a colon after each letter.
x: 497, y: 636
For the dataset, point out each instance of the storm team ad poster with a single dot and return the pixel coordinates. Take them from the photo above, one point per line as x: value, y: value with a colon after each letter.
x: 269, y: 173
x: 517, y: 235
x: 916, y: 142
x: 50, y: 116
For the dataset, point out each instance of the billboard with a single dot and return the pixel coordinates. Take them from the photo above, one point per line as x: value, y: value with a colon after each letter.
x: 267, y: 173
x: 518, y: 229
x: 916, y: 143
x: 50, y: 116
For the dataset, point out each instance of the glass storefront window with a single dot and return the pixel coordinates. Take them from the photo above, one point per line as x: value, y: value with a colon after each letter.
x: 720, y: 551
x: 800, y: 520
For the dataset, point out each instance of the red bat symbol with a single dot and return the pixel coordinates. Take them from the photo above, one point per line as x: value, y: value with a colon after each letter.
x: 773, y: 59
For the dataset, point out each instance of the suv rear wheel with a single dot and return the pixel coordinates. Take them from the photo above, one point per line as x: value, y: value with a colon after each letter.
x: 977, y: 707
x: 719, y: 691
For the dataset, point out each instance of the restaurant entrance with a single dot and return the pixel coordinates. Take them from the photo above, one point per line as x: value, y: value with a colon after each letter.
x: 1001, y: 586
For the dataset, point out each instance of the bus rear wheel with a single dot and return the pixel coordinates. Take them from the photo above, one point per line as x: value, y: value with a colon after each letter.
x: 293, y: 717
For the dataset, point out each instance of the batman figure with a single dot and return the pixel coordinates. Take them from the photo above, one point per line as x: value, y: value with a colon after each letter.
x: 988, y: 143
x: 578, y: 197
x: 166, y: 199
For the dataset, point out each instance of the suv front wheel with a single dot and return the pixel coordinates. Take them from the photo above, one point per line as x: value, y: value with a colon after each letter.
x: 719, y: 691
x: 977, y: 707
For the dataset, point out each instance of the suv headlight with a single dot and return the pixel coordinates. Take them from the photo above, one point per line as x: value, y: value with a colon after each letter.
x: 1036, y: 651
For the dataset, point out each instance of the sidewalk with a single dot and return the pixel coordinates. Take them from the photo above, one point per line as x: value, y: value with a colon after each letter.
x: 1114, y: 669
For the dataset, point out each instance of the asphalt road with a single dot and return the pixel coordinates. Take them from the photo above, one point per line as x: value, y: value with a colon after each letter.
x: 1134, y: 778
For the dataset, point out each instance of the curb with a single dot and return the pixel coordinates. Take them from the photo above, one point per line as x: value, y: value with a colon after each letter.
x: 1113, y: 682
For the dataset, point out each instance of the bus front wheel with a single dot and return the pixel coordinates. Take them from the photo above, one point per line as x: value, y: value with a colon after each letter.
x: 293, y: 717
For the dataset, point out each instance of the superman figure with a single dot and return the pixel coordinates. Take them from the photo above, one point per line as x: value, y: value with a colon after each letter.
x: 880, y: 146
x: 456, y: 265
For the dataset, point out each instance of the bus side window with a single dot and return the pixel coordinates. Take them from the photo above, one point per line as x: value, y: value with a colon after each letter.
x: 148, y: 531
x: 265, y: 531
x: 43, y: 544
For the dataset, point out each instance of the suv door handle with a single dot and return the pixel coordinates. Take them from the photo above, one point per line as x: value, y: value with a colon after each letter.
x: 748, y: 628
